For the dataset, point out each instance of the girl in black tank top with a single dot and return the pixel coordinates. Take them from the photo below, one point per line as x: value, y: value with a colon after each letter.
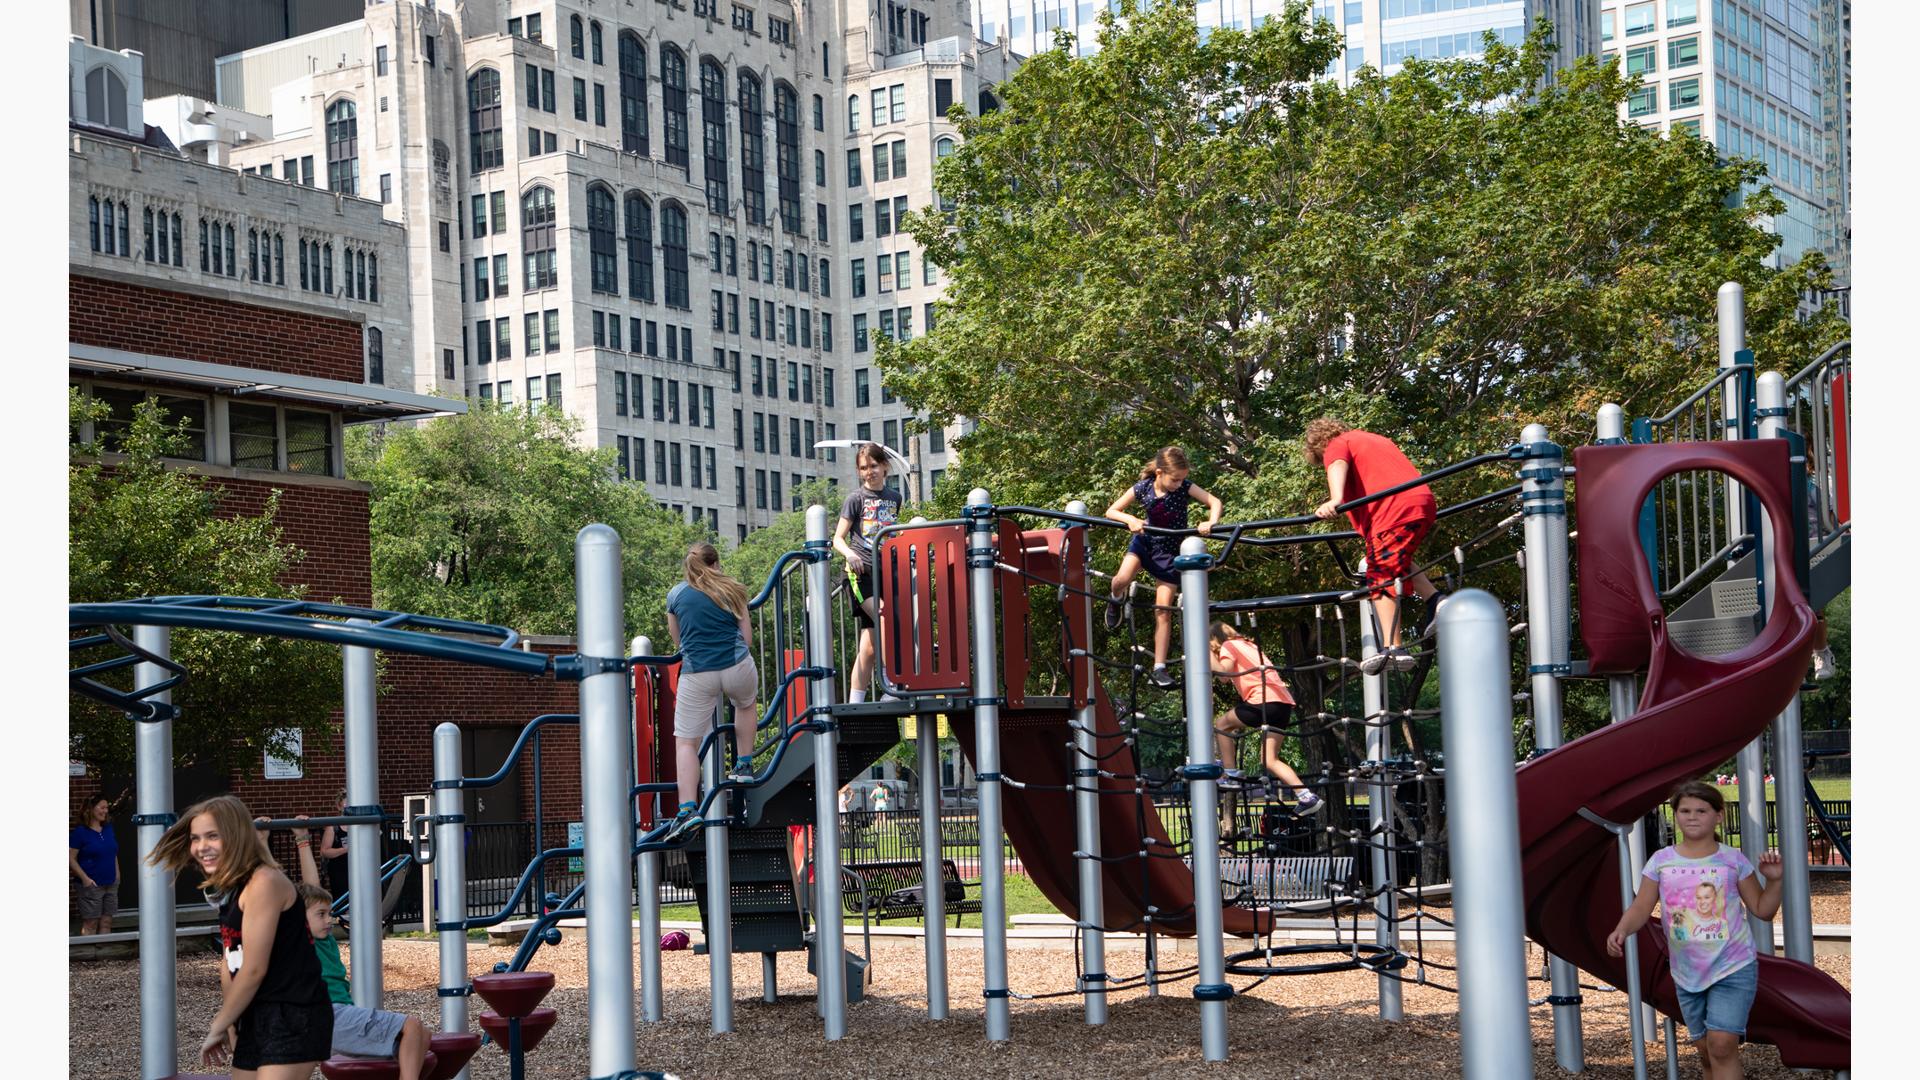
x: 293, y: 968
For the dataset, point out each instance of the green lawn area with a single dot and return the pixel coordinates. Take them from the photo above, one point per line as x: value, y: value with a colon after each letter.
x: 1023, y: 898
x: 1841, y: 789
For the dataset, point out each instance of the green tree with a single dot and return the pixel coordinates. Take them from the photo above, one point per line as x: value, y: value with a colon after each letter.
x: 474, y: 518
x: 1197, y: 241
x: 138, y: 527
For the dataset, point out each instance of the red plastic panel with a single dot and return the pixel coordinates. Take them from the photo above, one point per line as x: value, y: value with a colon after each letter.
x: 1695, y: 713
x: 1842, y: 449
x: 1014, y: 646
x: 924, y: 633
x: 1079, y: 615
x: 645, y: 698
x: 797, y: 690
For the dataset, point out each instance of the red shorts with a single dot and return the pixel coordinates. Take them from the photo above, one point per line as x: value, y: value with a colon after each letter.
x: 1390, y: 555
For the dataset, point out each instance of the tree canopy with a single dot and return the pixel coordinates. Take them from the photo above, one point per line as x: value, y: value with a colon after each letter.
x: 474, y: 518
x: 137, y: 527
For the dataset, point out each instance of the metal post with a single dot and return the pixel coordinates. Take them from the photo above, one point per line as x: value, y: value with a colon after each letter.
x: 1086, y: 827
x: 362, y: 737
x: 986, y: 723
x: 931, y: 870
x: 829, y: 938
x: 1373, y: 701
x: 1543, y: 502
x: 1622, y: 702
x: 719, y: 886
x: 1733, y: 341
x: 652, y: 1008
x: 1789, y: 762
x: 1203, y: 796
x: 1610, y: 425
x: 606, y: 747
x: 1476, y: 710
x: 450, y: 877
x: 153, y: 804
x: 1636, y: 1012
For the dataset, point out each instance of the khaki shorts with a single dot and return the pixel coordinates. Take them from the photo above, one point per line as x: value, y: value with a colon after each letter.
x: 700, y: 693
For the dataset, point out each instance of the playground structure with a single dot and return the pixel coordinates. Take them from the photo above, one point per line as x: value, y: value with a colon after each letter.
x: 1080, y: 809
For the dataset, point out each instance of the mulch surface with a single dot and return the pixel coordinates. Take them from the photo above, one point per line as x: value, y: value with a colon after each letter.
x: 1305, y: 1026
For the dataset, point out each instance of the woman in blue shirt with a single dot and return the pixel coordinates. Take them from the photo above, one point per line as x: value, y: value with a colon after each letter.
x: 93, y: 856
x: 707, y: 616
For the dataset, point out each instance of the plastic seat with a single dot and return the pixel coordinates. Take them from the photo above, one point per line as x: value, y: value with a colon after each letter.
x: 453, y: 1049
x: 370, y: 1068
x: 533, y: 1027
x: 513, y: 993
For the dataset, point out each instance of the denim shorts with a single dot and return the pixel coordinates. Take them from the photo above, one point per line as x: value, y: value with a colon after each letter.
x: 1722, y: 1006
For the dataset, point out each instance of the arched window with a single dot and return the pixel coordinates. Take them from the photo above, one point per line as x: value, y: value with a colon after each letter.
x: 599, y: 57
x: 484, y: 148
x: 988, y: 103
x: 93, y: 222
x: 106, y: 98
x: 786, y: 132
x: 376, y: 357
x: 633, y: 94
x: 942, y: 147
x: 673, y: 101
x: 600, y: 226
x: 639, y: 250
x: 673, y: 248
x: 373, y: 278
x: 537, y: 238
x: 853, y: 113
x: 578, y: 37
x: 753, y: 150
x: 343, y: 148
x: 713, y: 115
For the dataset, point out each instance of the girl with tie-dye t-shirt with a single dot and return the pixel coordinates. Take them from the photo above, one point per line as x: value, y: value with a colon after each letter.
x: 1705, y: 890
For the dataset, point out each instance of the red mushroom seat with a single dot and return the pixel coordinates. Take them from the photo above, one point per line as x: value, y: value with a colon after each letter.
x: 513, y: 993
x: 453, y: 1049
x: 369, y: 1068
x: 533, y: 1027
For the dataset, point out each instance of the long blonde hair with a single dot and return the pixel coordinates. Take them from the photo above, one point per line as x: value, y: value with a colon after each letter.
x: 704, y: 573
x: 242, y: 847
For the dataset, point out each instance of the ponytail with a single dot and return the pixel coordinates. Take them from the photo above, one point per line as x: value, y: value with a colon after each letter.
x: 704, y: 573
x: 1169, y: 458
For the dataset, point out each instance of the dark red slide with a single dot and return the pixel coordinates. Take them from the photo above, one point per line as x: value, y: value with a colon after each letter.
x: 1035, y: 748
x: 1695, y: 713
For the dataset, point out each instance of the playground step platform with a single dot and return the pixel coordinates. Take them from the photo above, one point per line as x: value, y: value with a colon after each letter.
x: 122, y: 944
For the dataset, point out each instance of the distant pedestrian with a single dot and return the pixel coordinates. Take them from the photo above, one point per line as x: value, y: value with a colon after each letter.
x: 93, y: 857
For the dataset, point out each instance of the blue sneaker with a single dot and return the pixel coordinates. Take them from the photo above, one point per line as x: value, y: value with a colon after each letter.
x: 1308, y: 805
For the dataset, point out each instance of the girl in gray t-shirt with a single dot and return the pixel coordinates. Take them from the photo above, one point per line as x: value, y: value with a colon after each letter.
x: 871, y: 507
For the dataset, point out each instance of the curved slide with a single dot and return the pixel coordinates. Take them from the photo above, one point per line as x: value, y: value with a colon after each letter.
x: 1695, y: 713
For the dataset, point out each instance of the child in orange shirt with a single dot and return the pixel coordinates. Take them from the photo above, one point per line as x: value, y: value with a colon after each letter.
x: 1265, y: 703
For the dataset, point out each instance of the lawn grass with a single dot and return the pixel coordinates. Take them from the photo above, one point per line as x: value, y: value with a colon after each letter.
x: 1840, y: 788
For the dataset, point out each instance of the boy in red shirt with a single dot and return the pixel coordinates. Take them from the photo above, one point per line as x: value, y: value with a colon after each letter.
x: 1359, y: 463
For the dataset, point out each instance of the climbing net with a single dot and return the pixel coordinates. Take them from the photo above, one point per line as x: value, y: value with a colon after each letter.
x: 1380, y: 848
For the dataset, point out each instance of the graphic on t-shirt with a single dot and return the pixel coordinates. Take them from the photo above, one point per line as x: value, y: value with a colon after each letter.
x: 1706, y: 924
x: 230, y: 948
x: 876, y: 513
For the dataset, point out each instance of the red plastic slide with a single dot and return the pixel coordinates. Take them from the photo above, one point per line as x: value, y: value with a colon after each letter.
x: 1035, y: 749
x: 1696, y: 712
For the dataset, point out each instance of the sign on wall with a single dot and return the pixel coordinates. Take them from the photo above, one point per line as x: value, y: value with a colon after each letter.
x: 286, y: 768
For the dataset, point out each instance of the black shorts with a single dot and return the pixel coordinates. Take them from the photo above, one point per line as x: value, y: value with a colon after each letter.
x: 864, y: 586
x: 1274, y: 714
x: 278, y: 1033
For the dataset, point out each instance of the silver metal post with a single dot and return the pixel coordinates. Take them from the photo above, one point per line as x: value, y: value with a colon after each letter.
x: 1203, y: 795
x: 719, y: 888
x: 1789, y: 762
x: 829, y: 938
x: 1543, y: 499
x: 1622, y: 702
x: 450, y: 877
x: 986, y: 722
x: 1610, y: 424
x: 1373, y: 700
x: 153, y: 800
x: 769, y: 978
x: 931, y: 870
x: 606, y: 746
x: 1732, y: 303
x: 1476, y: 716
x: 1671, y: 1037
x: 1086, y: 827
x: 362, y: 737
x: 652, y: 1003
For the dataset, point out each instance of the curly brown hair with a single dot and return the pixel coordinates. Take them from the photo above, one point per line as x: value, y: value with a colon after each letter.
x: 1318, y: 434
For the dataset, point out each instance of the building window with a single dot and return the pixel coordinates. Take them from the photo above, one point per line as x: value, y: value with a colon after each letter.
x: 376, y: 357
x: 673, y: 246
x: 639, y: 249
x: 713, y: 115
x: 1643, y: 101
x: 537, y: 238
x: 600, y: 229
x: 483, y: 121
x: 577, y: 36
x: 1684, y: 93
x: 386, y: 191
x: 380, y: 60
x: 1683, y: 52
x: 633, y: 94
x: 1639, y: 18
x: 673, y: 97
x: 599, y: 57
x: 1643, y: 59
x: 343, y: 148
x: 786, y: 108
x: 599, y: 105
x: 579, y: 99
x: 753, y: 151
x: 1682, y: 12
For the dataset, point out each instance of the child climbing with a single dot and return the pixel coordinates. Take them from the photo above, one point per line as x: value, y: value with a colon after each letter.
x: 1166, y: 494
x: 871, y: 507
x: 707, y: 616
x: 1358, y: 464
x: 1265, y: 705
x: 1705, y: 890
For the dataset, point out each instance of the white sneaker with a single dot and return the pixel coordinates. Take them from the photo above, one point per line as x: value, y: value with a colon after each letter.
x: 1824, y: 666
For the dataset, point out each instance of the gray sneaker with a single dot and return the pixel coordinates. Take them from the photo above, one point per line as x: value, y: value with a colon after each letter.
x: 683, y: 824
x: 1402, y: 660
x: 1308, y: 805
x: 1114, y: 613
x: 1375, y: 664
